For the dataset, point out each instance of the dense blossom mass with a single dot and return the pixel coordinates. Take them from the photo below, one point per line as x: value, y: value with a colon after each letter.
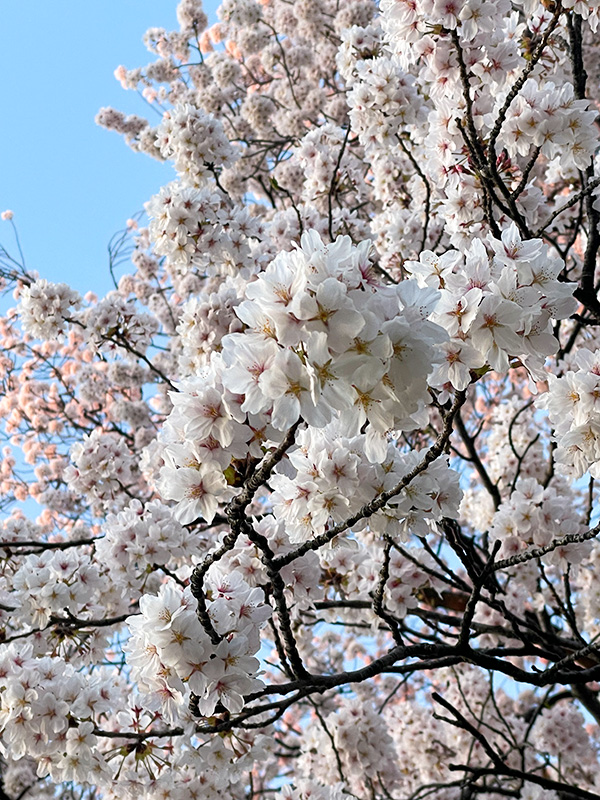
x: 307, y: 505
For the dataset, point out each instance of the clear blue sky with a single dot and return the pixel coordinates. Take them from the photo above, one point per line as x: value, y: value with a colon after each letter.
x: 70, y: 183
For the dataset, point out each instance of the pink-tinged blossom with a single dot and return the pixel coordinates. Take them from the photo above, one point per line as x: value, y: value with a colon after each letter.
x: 330, y: 385
x: 246, y: 358
x: 196, y: 490
x: 493, y: 331
x: 512, y: 248
x: 456, y: 313
x: 195, y: 141
x: 330, y: 310
x: 459, y: 359
x: 204, y: 413
x: 291, y: 387
x: 46, y: 307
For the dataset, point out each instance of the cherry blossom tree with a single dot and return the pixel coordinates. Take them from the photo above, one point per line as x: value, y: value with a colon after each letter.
x: 308, y: 504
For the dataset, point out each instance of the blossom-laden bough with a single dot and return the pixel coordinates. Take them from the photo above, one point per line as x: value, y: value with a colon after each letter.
x: 316, y: 483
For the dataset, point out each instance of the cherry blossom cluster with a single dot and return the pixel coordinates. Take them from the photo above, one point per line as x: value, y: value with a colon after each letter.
x: 321, y: 338
x: 52, y: 583
x: 302, y: 577
x: 114, y: 321
x: 589, y: 608
x: 315, y: 165
x: 140, y: 539
x: 196, y: 143
x: 551, y: 119
x: 129, y: 125
x: 536, y: 516
x: 572, y: 404
x: 560, y: 732
x: 171, y: 654
x: 102, y: 466
x: 465, y: 687
x: 517, y: 447
x: 333, y: 477
x: 203, y: 324
x: 498, y: 307
x: 363, y: 744
x: 195, y: 229
x: 440, y: 40
x: 48, y: 711
x: 44, y: 307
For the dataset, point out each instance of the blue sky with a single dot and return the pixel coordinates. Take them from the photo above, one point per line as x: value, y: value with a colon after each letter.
x: 71, y: 184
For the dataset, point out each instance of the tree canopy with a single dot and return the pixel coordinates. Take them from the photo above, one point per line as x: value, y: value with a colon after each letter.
x: 307, y: 505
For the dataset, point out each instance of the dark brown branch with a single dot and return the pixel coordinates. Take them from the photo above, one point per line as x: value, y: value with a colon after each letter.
x: 465, y: 628
x: 50, y: 545
x: 587, y: 291
x: 235, y: 515
x: 538, y: 552
x: 469, y: 442
x: 139, y: 735
x: 278, y: 588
